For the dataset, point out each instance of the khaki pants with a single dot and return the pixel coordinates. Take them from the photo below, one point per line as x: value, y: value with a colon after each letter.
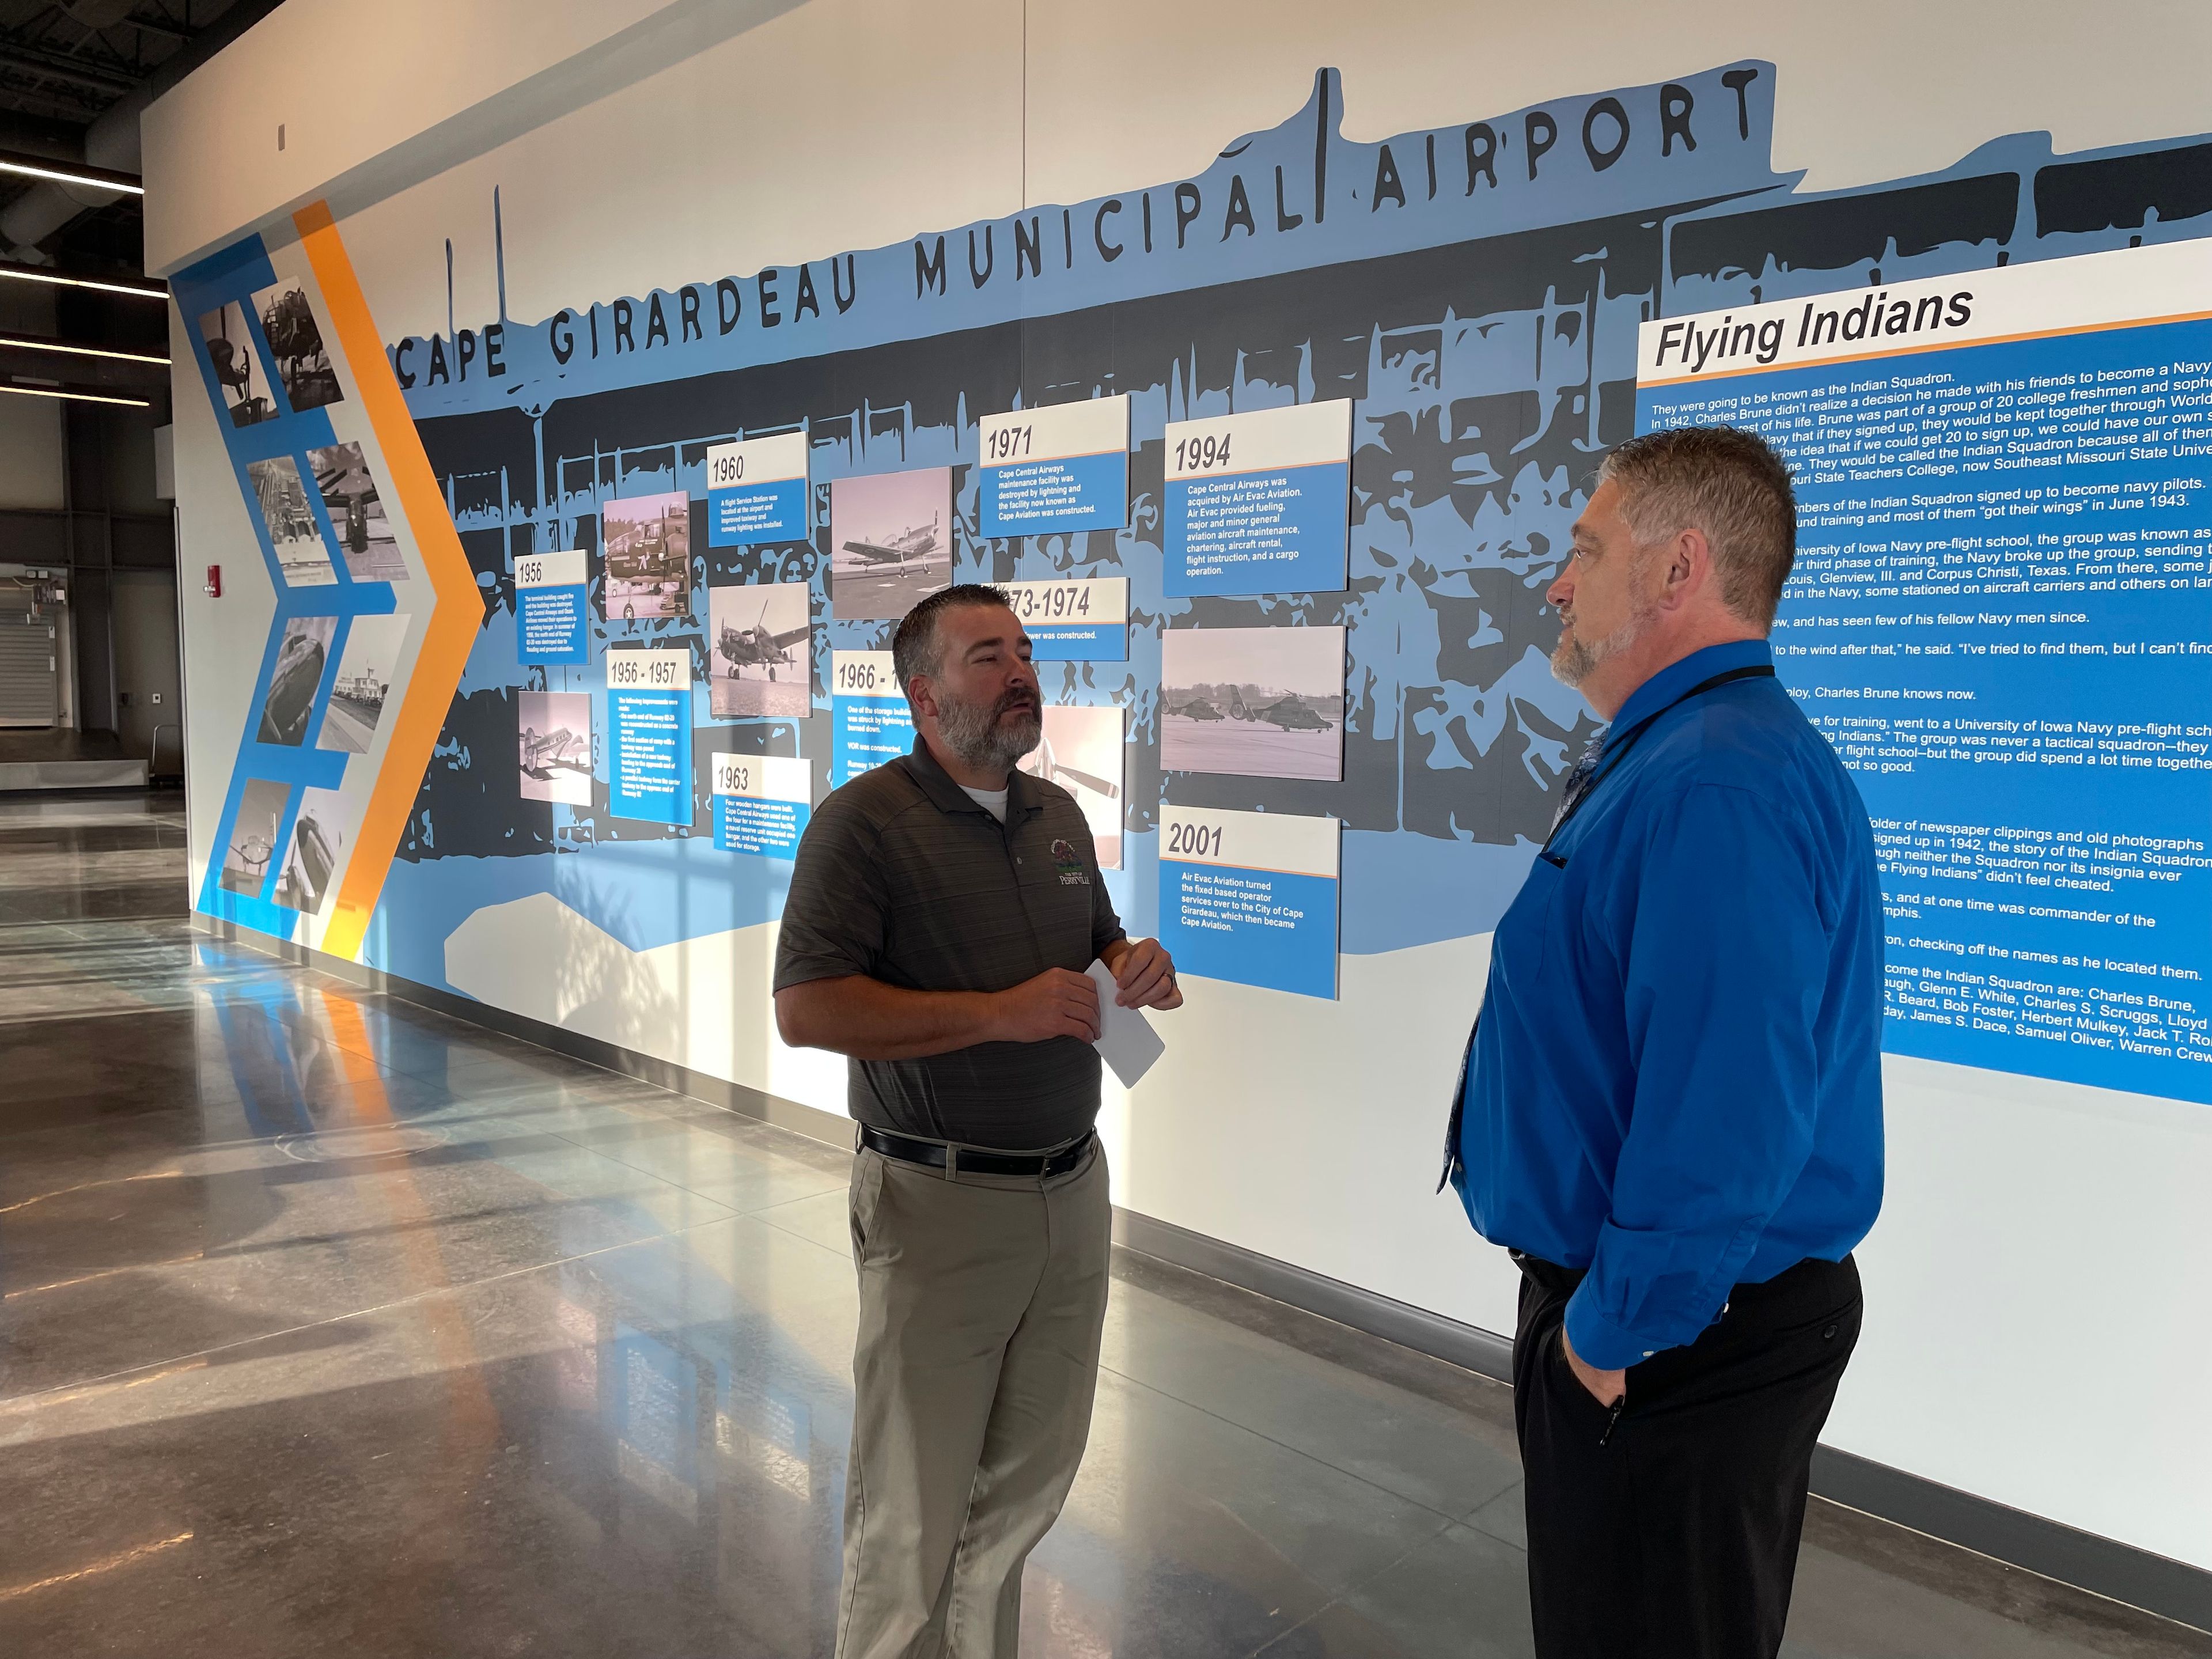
x: 982, y: 1301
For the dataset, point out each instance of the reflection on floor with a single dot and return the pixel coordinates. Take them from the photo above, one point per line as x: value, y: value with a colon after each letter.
x: 333, y: 1325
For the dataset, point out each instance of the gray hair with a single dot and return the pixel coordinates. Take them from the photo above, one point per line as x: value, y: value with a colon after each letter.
x: 1728, y: 483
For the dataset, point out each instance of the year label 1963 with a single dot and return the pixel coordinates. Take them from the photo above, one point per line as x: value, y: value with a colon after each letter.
x: 764, y: 777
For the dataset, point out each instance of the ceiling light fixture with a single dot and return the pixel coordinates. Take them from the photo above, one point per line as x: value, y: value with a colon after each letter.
x: 32, y: 343
x: 61, y: 173
x: 76, y: 397
x: 59, y: 279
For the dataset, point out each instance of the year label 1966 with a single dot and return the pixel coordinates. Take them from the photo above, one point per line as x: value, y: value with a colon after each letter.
x: 862, y: 674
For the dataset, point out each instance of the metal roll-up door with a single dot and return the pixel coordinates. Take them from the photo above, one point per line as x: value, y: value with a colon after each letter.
x: 29, y: 687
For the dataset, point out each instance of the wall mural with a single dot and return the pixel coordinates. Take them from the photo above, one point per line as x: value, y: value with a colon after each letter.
x: 1476, y: 291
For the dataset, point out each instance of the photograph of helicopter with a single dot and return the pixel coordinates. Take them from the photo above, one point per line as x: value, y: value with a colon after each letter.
x: 890, y: 542
x: 1081, y: 751
x: 300, y: 553
x: 648, y: 555
x: 253, y: 835
x: 295, y: 340
x: 365, y: 673
x: 554, y: 746
x: 317, y: 841
x: 348, y: 492
x: 760, y: 664
x: 230, y: 349
x: 298, y: 676
x: 1262, y: 702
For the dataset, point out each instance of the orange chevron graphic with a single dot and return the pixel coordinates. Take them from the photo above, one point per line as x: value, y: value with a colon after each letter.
x: 455, y: 614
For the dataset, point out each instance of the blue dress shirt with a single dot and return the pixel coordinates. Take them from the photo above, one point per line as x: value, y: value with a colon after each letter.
x: 1676, y: 1078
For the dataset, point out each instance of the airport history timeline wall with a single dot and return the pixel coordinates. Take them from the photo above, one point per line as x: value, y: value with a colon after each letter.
x: 454, y: 528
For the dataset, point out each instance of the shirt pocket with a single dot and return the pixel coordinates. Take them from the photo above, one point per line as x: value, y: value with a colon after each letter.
x: 1524, y: 947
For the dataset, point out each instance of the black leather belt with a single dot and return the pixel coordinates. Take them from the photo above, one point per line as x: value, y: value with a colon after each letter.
x: 967, y: 1160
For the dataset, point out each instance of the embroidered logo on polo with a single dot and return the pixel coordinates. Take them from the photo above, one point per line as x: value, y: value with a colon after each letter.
x: 1069, y: 864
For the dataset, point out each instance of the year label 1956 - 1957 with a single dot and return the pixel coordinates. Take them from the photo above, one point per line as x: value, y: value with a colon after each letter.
x: 649, y: 670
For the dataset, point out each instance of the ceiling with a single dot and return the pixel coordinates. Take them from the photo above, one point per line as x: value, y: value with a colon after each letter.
x: 66, y: 64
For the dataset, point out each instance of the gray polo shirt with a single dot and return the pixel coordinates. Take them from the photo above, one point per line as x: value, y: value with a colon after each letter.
x: 904, y: 878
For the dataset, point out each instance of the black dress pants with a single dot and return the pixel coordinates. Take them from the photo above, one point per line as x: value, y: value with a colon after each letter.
x: 1671, y: 1527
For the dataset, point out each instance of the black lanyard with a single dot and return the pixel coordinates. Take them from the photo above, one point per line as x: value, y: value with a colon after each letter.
x: 1615, y: 753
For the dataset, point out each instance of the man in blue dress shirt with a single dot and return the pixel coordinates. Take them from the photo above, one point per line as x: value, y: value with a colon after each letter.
x: 1672, y: 1109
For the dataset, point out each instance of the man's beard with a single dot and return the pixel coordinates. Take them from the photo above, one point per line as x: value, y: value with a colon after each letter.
x: 1576, y: 658
x: 979, y: 734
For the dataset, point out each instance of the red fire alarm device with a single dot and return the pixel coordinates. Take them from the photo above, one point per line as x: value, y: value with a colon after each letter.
x: 215, y: 582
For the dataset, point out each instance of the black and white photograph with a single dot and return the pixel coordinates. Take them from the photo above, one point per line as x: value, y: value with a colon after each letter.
x: 1081, y: 751
x: 648, y: 556
x: 296, y: 341
x: 292, y: 532
x: 349, y: 496
x: 555, y: 746
x: 365, y: 674
x: 300, y: 656
x: 253, y: 835
x: 1262, y: 702
x: 890, y: 542
x: 237, y: 369
x: 318, y: 838
x: 759, y: 664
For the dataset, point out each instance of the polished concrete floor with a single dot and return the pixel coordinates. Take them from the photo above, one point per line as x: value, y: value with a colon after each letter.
x: 334, y: 1326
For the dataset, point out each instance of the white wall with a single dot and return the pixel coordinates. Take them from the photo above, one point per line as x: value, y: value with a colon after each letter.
x: 2038, y: 1284
x: 30, y: 428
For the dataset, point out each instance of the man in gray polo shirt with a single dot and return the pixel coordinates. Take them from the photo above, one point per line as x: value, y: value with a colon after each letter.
x: 942, y: 914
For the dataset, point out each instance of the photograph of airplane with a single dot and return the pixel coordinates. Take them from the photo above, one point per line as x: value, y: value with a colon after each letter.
x: 292, y: 532
x: 365, y: 671
x: 298, y: 676
x: 554, y: 746
x: 318, y: 838
x: 1262, y: 702
x: 253, y: 835
x: 295, y: 340
x: 648, y: 540
x: 230, y: 349
x: 890, y: 542
x: 763, y: 640
x: 1081, y: 751
x: 350, y: 494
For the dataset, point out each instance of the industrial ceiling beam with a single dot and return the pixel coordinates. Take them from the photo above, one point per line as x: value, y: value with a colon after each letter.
x: 31, y: 61
x: 161, y: 27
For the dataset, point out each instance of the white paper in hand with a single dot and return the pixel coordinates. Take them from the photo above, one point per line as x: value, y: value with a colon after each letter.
x: 1126, y: 1041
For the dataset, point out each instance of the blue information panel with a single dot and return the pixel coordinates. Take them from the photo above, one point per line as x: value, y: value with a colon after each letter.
x: 1259, y: 503
x: 552, y: 607
x: 1064, y: 467
x: 757, y: 491
x: 649, y: 735
x: 869, y: 721
x: 762, y: 803
x: 1251, y: 897
x: 2001, y: 615
x: 1084, y: 621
